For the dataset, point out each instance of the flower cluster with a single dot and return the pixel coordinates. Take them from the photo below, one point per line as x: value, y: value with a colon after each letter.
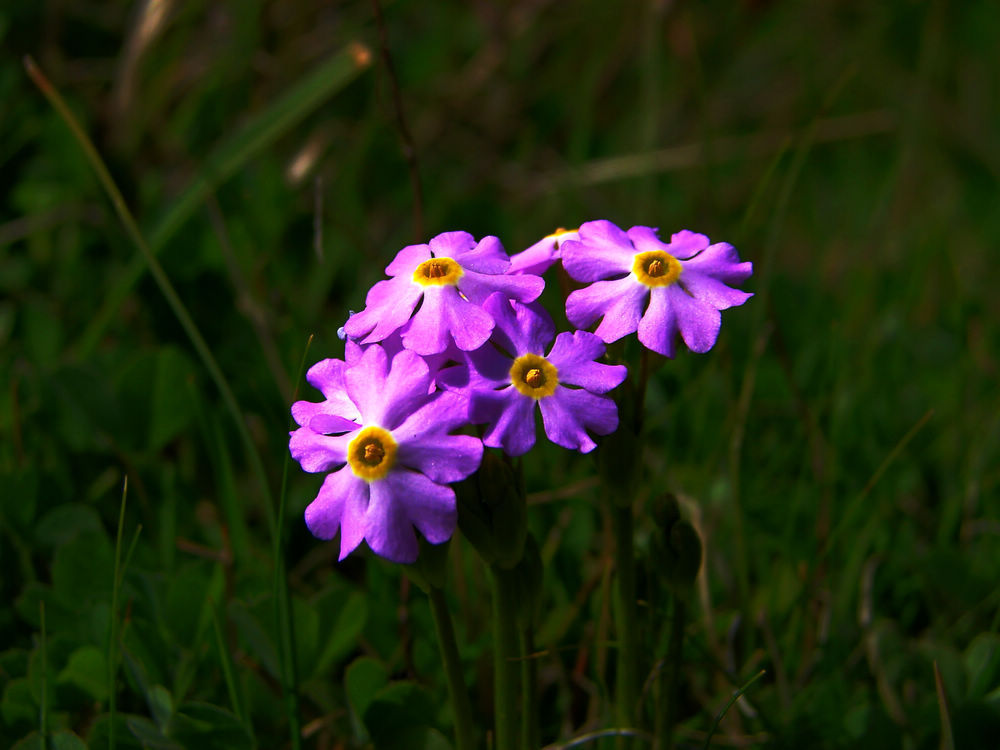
x: 456, y: 337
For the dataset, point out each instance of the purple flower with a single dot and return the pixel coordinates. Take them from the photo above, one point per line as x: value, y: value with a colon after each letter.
x: 508, y: 378
x: 449, y: 278
x: 385, y: 442
x: 685, y: 283
x: 538, y: 258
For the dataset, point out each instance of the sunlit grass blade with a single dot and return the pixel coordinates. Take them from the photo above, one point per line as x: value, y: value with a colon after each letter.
x: 324, y: 81
x: 722, y: 714
x: 947, y: 738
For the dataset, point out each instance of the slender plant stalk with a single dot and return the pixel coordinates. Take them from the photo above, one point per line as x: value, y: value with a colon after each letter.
x: 627, y: 674
x: 505, y: 656
x: 666, y: 717
x: 457, y: 691
x: 113, y: 619
x: 529, y: 690
x: 43, y: 709
x: 283, y: 602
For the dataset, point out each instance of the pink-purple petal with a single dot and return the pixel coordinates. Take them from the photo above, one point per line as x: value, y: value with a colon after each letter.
x: 537, y: 259
x: 698, y: 321
x: 407, y: 260
x: 644, y: 240
x: 529, y: 328
x: 573, y: 355
x: 714, y: 292
x: 452, y: 245
x: 685, y: 243
x: 388, y: 306
x: 619, y: 303
x: 569, y: 413
x: 658, y: 327
x: 487, y: 257
x: 443, y: 458
x: 341, y: 505
x: 400, y: 501
x: 317, y: 453
x: 510, y: 417
x: 522, y: 287
x: 602, y: 251
x: 720, y: 261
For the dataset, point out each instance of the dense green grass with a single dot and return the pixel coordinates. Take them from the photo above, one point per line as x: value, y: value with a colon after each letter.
x: 838, y: 450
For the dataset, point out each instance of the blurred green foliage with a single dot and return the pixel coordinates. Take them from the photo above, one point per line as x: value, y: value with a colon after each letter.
x: 838, y: 451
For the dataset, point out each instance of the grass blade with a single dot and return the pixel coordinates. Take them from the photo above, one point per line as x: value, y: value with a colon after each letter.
x: 947, y: 738
x: 325, y: 80
x: 113, y: 619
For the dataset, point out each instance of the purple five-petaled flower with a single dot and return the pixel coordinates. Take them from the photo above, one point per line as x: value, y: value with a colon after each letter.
x: 512, y: 376
x: 385, y: 442
x: 450, y: 277
x: 656, y: 288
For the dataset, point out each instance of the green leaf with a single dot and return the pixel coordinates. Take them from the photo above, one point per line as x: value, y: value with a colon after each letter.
x: 18, y: 704
x: 66, y: 740
x: 161, y: 705
x: 351, y: 616
x: 398, y: 710
x: 363, y: 678
x: 65, y: 522
x: 32, y: 741
x: 209, y: 727
x: 83, y: 568
x: 151, y: 738
x: 982, y: 664
x: 171, y: 407
x: 87, y: 669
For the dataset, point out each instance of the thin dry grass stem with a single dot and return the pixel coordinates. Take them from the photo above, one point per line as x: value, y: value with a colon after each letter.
x: 870, y: 636
x: 148, y: 23
x: 724, y: 149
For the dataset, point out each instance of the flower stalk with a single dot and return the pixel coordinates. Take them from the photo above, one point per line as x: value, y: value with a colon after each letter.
x: 627, y: 675
x: 462, y: 708
x: 506, y: 653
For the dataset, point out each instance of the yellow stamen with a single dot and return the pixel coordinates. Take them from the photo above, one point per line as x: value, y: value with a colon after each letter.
x: 656, y: 268
x: 534, y: 376
x: 372, y: 453
x: 438, y: 272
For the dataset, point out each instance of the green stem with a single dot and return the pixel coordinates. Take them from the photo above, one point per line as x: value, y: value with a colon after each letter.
x: 529, y: 690
x: 666, y: 717
x: 625, y: 618
x: 505, y: 655
x: 453, y: 670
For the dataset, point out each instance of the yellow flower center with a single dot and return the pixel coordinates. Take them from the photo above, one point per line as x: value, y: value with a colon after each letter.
x: 372, y: 453
x: 656, y: 268
x: 438, y: 272
x: 534, y: 376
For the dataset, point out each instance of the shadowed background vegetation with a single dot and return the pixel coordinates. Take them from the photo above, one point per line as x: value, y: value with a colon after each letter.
x: 839, y: 449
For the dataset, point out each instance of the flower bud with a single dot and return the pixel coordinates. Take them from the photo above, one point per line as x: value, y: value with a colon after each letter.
x: 492, y: 512
x: 431, y: 568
